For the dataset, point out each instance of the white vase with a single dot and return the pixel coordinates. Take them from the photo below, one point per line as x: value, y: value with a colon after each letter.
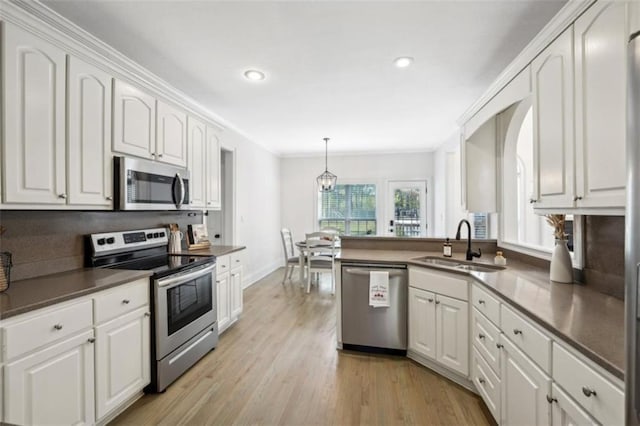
x: 561, y: 270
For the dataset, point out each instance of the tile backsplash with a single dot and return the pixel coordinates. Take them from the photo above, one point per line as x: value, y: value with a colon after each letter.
x: 45, y: 242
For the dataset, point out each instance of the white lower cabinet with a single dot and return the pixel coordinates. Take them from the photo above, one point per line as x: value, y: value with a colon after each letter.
x: 487, y: 383
x: 524, y: 389
x: 565, y: 411
x: 54, y: 385
x: 122, y: 360
x: 438, y: 323
x: 229, y: 272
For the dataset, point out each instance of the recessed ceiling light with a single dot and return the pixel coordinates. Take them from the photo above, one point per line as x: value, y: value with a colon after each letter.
x: 403, y: 61
x: 254, y: 75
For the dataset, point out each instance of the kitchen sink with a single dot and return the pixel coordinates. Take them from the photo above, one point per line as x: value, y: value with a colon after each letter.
x: 459, y: 265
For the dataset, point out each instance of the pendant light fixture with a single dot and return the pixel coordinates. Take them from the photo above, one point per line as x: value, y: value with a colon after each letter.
x: 327, y: 180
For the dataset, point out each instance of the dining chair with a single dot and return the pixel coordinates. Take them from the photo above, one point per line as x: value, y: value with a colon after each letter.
x: 290, y: 258
x: 321, y: 252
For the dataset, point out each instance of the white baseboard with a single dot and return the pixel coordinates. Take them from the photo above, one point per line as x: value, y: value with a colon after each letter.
x: 257, y: 275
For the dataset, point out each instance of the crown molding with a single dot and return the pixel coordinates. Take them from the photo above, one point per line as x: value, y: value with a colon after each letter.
x: 561, y: 21
x: 38, y: 19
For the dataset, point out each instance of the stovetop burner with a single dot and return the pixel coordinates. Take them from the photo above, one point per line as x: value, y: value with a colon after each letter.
x: 164, y: 264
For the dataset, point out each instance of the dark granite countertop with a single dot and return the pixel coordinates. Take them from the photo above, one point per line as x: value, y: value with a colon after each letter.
x: 215, y: 250
x: 590, y: 321
x: 35, y: 293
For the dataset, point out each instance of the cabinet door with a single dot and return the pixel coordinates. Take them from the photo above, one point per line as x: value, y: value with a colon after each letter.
x: 52, y: 386
x: 34, y: 119
x: 524, y: 389
x: 134, y: 121
x: 223, y: 298
x: 600, y: 36
x: 197, y: 163
x: 122, y: 360
x: 213, y: 170
x: 553, y: 174
x: 236, y: 292
x: 452, y: 323
x: 422, y: 322
x: 566, y: 412
x: 172, y: 135
x: 89, y: 135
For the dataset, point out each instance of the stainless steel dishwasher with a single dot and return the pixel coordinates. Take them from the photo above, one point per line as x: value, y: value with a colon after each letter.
x: 364, y: 328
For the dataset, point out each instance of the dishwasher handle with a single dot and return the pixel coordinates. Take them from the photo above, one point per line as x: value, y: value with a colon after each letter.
x: 354, y: 271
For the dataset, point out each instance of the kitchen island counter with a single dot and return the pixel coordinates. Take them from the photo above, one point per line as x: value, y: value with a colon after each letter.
x: 591, y: 322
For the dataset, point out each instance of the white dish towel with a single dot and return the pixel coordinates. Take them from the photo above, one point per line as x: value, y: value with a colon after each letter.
x: 379, y: 289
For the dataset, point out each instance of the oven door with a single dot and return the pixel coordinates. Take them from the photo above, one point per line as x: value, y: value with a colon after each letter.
x: 146, y: 185
x: 185, y: 305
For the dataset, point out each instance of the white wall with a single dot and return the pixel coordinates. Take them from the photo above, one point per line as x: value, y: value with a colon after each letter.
x: 257, y: 206
x: 298, y: 191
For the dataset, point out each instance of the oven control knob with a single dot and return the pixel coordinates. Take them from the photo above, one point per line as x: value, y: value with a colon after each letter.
x: 162, y: 234
x: 111, y: 240
x: 149, y: 235
x: 100, y: 241
x: 156, y: 235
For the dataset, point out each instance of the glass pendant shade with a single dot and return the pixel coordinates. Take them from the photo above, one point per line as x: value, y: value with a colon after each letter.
x: 327, y: 180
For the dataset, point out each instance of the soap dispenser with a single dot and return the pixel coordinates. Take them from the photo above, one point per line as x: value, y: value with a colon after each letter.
x: 446, y: 249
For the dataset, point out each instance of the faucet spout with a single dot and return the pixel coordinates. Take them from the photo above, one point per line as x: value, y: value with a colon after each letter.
x: 470, y: 253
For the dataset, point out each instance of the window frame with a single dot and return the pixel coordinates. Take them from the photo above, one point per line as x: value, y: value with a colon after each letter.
x: 371, y: 182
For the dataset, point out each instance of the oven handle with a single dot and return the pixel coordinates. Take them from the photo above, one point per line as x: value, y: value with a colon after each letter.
x: 179, y: 203
x: 174, y: 280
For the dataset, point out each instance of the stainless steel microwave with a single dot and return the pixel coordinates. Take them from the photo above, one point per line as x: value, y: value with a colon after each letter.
x: 147, y: 185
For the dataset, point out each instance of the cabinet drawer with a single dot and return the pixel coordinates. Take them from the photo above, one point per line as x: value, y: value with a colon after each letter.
x: 485, y: 339
x: 605, y: 404
x: 45, y: 327
x: 112, y: 303
x: 487, y: 383
x: 527, y: 337
x: 441, y: 283
x: 236, y: 259
x: 485, y: 303
x: 223, y: 264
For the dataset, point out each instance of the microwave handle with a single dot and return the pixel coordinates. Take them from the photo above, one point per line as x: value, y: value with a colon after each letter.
x: 182, y: 191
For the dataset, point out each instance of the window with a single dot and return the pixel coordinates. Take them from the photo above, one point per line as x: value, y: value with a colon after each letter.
x: 521, y: 225
x: 351, y: 209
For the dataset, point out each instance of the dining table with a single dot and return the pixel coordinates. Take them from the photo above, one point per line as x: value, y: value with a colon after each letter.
x: 304, y: 249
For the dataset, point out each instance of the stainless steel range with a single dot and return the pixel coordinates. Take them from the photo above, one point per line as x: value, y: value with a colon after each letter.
x: 184, y: 318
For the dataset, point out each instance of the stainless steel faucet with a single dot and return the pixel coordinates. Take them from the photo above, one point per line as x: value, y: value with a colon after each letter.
x: 470, y: 254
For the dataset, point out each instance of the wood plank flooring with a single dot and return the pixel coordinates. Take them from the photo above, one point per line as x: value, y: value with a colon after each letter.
x: 279, y: 365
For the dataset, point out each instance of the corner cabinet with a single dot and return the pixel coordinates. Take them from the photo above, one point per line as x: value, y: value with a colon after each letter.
x: 229, y: 272
x: 439, y: 319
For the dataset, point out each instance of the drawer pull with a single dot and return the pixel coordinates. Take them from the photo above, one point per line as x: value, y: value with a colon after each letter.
x: 551, y: 399
x: 588, y: 392
x: 147, y: 314
x: 499, y: 345
x: 481, y: 302
x: 125, y: 301
x: 437, y: 302
x: 481, y: 380
x: 237, y: 260
x: 91, y: 339
x: 57, y: 327
x: 430, y: 299
x: 516, y: 331
x: 481, y: 336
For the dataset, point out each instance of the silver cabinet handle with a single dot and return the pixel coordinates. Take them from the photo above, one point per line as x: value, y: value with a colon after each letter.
x: 588, y: 392
x: 160, y: 155
x: 437, y: 302
x: 551, y: 399
x: 63, y: 196
x: 109, y: 198
x: 430, y: 300
x: 125, y: 301
x: 147, y: 314
x: 91, y: 339
x: 481, y: 336
x: 481, y: 380
x: 516, y: 331
x: 499, y: 345
x: 577, y: 198
x: 532, y: 200
x: 57, y: 327
x: 481, y: 302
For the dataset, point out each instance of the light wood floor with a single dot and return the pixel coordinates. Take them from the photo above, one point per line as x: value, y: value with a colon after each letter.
x: 279, y: 365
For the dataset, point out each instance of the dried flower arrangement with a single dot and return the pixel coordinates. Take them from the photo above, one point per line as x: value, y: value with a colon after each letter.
x: 556, y: 221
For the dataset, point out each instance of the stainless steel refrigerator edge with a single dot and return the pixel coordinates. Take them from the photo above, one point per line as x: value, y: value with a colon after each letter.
x: 632, y: 239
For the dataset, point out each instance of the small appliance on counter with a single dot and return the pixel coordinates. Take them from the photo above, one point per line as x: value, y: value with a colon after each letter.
x: 184, y: 325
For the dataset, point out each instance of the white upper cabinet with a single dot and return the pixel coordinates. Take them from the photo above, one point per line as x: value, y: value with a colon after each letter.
x: 552, y: 74
x: 171, y: 145
x: 90, y: 166
x: 34, y: 119
x: 197, y: 163
x: 214, y: 201
x: 134, y: 121
x: 600, y: 36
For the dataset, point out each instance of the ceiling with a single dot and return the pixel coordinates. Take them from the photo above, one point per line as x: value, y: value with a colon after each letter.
x: 328, y: 63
